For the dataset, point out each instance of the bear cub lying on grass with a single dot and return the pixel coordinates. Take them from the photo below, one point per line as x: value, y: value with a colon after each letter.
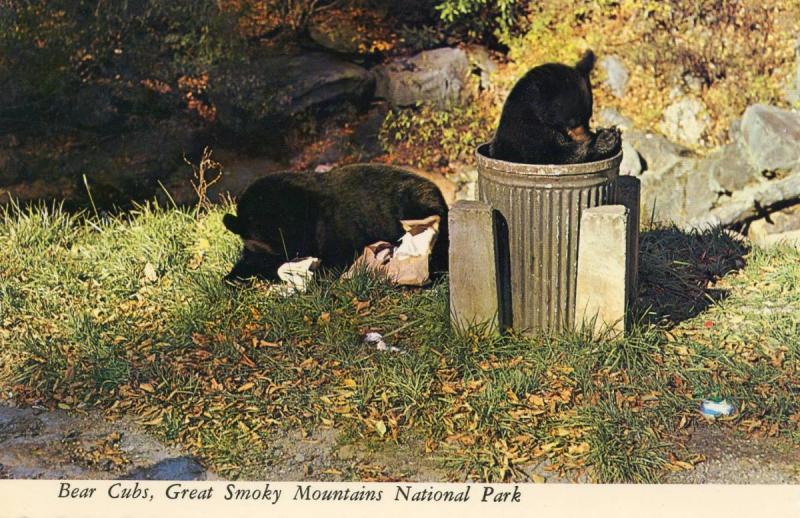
x: 545, y: 118
x: 331, y: 216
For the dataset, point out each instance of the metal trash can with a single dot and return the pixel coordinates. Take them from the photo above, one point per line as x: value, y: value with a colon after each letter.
x: 537, y: 211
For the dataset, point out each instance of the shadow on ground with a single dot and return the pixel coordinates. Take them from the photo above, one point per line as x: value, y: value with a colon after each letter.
x: 678, y: 271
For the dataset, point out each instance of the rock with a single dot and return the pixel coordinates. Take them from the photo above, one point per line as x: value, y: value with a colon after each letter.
x: 481, y: 62
x: 657, y: 152
x: 782, y: 227
x: 434, y: 76
x: 675, y: 188
x: 700, y: 192
x: 730, y: 169
x: 616, y: 74
x: 750, y: 202
x: 685, y: 121
x: 611, y: 117
x: 735, y: 130
x: 255, y: 99
x: 771, y: 137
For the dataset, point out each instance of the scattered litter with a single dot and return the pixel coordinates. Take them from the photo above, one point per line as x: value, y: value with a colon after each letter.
x: 296, y: 275
x: 716, y: 408
x: 418, y: 239
x: 374, y: 257
x: 407, y: 264
x: 376, y: 339
x: 323, y: 168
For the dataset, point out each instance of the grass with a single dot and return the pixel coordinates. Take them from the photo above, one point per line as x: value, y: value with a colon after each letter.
x: 127, y: 314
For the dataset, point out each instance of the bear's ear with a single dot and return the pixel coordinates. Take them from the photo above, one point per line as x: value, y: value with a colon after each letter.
x: 586, y: 63
x: 232, y: 223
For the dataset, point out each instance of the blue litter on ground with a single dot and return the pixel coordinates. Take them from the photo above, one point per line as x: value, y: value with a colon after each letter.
x: 712, y: 408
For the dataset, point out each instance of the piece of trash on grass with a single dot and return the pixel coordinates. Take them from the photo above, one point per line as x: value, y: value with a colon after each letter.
x: 419, y: 237
x: 296, y: 275
x: 716, y: 408
x: 407, y: 264
x: 376, y: 339
x: 374, y: 257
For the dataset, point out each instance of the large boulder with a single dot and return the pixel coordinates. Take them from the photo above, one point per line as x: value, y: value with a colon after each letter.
x: 752, y: 201
x: 256, y: 98
x: 435, y: 76
x: 730, y: 169
x: 675, y: 186
x: 771, y: 137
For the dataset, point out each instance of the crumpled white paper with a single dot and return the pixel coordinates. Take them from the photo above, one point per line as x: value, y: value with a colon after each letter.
x: 376, y: 339
x: 415, y: 245
x: 296, y: 275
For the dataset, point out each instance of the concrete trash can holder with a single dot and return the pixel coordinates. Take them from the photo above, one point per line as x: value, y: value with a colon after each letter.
x: 537, y: 213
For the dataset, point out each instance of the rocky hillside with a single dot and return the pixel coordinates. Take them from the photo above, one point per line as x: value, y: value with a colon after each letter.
x: 704, y: 94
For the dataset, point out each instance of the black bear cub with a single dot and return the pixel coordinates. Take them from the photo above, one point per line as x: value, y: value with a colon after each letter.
x: 331, y: 216
x: 545, y: 118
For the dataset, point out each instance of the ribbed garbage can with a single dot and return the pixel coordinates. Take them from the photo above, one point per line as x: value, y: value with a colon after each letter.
x: 537, y: 211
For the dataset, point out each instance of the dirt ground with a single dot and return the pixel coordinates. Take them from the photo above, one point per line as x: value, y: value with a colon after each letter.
x: 732, y: 458
x: 42, y: 444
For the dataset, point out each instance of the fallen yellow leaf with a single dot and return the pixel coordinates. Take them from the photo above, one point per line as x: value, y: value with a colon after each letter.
x: 246, y: 386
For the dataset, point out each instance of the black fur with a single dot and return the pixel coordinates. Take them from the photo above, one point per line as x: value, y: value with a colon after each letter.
x: 542, y: 108
x: 332, y: 216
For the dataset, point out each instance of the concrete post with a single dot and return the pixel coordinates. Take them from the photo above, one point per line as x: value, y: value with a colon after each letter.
x: 473, y: 266
x: 603, y: 280
x: 629, y: 189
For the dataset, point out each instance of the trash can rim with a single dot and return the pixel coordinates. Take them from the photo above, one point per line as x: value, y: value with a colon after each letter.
x: 484, y: 160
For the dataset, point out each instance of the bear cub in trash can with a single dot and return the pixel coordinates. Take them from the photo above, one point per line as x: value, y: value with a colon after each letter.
x: 545, y: 118
x: 331, y: 216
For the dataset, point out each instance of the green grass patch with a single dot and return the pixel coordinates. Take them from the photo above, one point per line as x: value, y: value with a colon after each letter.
x: 128, y: 314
